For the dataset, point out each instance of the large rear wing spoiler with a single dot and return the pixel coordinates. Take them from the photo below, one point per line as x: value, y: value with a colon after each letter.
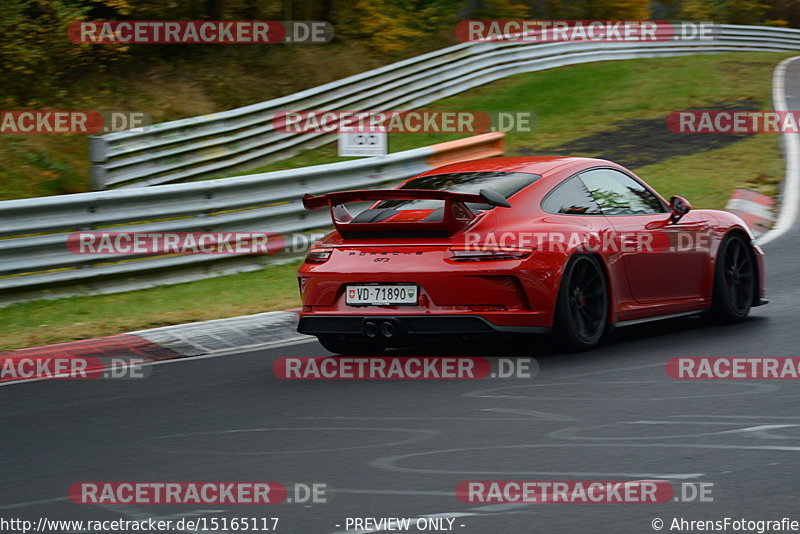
x: 456, y: 216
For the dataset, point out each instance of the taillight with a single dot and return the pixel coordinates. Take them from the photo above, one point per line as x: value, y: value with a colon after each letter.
x: 472, y: 253
x: 318, y: 255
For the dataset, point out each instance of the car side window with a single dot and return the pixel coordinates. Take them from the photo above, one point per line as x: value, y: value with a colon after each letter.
x: 571, y: 197
x: 619, y: 194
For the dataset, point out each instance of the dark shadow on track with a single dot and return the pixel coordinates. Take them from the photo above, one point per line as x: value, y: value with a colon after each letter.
x: 545, y: 346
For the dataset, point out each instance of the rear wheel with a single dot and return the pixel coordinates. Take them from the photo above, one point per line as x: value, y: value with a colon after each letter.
x: 582, y: 308
x: 734, y: 281
x: 350, y: 346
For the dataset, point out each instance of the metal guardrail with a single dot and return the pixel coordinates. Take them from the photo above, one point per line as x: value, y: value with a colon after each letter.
x: 217, y: 144
x: 36, y: 263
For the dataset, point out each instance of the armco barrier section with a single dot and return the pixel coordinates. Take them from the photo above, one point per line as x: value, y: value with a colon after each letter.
x: 35, y: 261
x: 217, y: 144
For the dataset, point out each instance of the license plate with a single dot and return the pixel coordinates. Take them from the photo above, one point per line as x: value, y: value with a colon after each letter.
x: 381, y: 295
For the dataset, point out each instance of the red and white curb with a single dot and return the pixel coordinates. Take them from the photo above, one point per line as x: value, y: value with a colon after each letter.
x: 755, y: 209
x: 171, y: 342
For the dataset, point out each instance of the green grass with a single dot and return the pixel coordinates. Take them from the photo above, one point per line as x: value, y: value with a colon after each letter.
x: 51, y: 321
x: 570, y: 103
x: 707, y: 179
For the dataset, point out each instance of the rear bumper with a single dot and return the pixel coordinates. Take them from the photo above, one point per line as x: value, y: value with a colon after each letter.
x: 410, y: 325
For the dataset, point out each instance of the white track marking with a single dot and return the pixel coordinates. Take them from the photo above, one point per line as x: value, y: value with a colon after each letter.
x: 791, y: 188
x: 545, y: 416
x: 391, y: 463
x: 450, y: 493
x: 379, y: 418
x: 765, y: 417
x: 577, y: 433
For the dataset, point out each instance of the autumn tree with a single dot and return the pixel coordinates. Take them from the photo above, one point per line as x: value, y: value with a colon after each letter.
x: 36, y: 58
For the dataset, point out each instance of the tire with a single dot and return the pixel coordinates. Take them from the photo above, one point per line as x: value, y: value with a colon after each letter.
x: 581, y: 316
x: 734, y: 281
x: 350, y: 346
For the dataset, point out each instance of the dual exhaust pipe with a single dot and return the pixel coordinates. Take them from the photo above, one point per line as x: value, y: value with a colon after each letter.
x: 387, y: 329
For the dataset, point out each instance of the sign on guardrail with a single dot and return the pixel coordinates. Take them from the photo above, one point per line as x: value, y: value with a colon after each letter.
x: 363, y: 144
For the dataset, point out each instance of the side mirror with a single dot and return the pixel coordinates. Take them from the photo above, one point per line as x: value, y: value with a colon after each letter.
x: 678, y: 207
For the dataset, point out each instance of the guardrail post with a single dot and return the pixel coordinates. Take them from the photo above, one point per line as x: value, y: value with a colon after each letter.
x: 97, y: 177
x: 98, y: 155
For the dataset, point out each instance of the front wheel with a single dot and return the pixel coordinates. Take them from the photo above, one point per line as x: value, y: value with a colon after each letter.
x: 350, y: 346
x: 734, y: 281
x: 582, y: 307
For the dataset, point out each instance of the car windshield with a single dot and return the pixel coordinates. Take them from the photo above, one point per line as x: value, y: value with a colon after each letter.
x: 505, y: 183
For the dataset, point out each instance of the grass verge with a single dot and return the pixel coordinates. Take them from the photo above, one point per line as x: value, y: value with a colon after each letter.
x: 43, y: 322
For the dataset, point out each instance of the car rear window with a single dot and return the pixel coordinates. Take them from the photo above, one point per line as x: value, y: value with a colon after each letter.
x: 505, y: 183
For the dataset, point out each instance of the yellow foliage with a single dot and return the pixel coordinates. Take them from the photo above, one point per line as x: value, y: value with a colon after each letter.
x: 696, y: 10
x: 623, y: 10
x: 385, y: 26
x: 122, y: 7
x: 504, y: 9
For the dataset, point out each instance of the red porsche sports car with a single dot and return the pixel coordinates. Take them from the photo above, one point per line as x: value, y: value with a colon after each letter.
x: 520, y: 245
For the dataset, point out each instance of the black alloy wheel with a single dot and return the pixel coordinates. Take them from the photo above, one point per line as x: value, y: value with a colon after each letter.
x: 582, y: 309
x: 734, y: 280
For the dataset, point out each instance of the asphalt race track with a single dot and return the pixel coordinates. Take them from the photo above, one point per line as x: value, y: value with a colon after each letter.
x: 398, y: 449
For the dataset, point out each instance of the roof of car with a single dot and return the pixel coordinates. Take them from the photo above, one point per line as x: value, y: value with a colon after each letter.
x: 535, y: 165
